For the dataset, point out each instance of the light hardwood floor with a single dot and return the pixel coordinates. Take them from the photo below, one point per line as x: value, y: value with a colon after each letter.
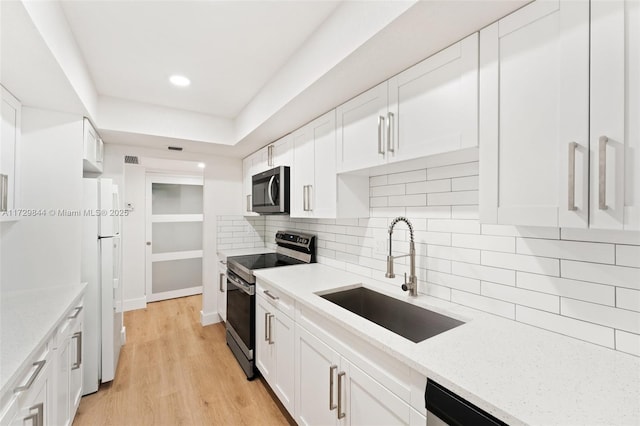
x: 173, y: 371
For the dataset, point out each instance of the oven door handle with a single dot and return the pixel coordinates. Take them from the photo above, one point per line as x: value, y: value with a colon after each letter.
x: 247, y: 288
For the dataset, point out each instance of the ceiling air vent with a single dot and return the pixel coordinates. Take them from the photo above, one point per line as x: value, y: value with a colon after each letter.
x: 130, y: 159
x: 175, y: 148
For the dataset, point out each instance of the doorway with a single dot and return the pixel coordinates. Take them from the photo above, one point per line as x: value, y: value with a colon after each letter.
x: 174, y: 219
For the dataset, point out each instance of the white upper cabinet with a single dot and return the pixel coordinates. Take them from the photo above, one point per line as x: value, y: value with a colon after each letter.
x: 433, y: 106
x: 534, y: 116
x: 279, y: 153
x: 9, y: 154
x: 249, y: 167
x: 361, y: 127
x: 93, y: 149
x: 313, y: 182
x: 615, y: 115
x: 428, y: 109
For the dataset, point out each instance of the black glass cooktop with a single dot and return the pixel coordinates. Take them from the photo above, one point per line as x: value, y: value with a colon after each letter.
x: 266, y: 260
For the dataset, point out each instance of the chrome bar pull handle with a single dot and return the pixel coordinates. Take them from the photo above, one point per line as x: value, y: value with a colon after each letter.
x: 4, y: 193
x: 78, y: 337
x: 390, y: 120
x: 572, y: 176
x: 76, y: 313
x: 270, y: 155
x: 380, y: 135
x: 220, y: 283
x: 602, y: 173
x: 248, y: 203
x: 341, y: 414
x: 266, y: 327
x: 332, y: 405
x: 268, y: 293
x: 304, y: 198
x: 309, y: 194
x: 39, y: 366
x: 271, y: 341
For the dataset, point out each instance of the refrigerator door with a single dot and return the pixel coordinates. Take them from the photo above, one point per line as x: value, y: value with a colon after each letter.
x: 106, y: 206
x: 111, y: 316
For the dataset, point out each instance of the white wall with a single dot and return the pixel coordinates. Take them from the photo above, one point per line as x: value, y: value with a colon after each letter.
x: 222, y: 196
x: 44, y: 251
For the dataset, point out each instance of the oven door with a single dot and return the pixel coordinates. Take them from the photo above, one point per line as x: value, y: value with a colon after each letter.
x: 241, y: 306
x: 270, y: 191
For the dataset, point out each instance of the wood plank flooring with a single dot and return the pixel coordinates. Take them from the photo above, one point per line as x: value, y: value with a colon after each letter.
x: 173, y: 371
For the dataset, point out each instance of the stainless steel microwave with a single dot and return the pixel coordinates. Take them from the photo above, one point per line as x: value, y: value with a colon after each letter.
x: 270, y: 191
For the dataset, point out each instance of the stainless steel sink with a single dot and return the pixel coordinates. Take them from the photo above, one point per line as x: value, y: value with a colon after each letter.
x: 407, y: 320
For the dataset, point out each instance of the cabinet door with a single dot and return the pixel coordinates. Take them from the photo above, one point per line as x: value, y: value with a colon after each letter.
x: 9, y: 147
x: 315, y: 364
x: 534, y: 86
x: 433, y: 106
x: 615, y: 108
x: 322, y: 192
x: 222, y: 291
x: 361, y: 128
x: 280, y: 153
x: 367, y: 403
x: 265, y: 350
x: 283, y: 338
x: 302, y: 176
x: 246, y: 184
x: 62, y: 382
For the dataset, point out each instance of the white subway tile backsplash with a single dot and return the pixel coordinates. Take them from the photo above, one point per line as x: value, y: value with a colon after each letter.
x: 628, y: 299
x: 628, y: 256
x: 519, y: 296
x: 468, y: 183
x: 621, y: 276
x: 627, y: 342
x: 568, y: 326
x: 464, y: 212
x: 519, y: 262
x: 581, y: 290
x: 484, y: 273
x: 617, y: 318
x: 407, y: 177
x: 383, y: 191
x: 452, y: 225
x: 601, y: 236
x: 485, y: 242
x: 573, y: 250
x: 452, y: 198
x: 591, y: 277
x: 453, y: 171
x: 487, y: 304
x: 426, y: 187
x: 414, y: 200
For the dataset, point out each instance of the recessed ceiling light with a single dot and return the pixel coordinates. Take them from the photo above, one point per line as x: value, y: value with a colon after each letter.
x: 201, y: 165
x: 179, y: 80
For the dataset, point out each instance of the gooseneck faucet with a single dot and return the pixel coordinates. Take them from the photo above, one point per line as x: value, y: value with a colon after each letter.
x: 412, y: 284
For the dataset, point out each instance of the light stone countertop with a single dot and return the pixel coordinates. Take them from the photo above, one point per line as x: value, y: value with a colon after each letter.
x: 518, y: 373
x: 223, y: 254
x: 27, y: 319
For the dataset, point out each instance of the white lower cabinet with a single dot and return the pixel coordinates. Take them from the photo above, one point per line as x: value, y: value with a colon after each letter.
x: 222, y: 290
x: 274, y: 344
x: 68, y: 366
x: 330, y: 389
x: 31, y: 400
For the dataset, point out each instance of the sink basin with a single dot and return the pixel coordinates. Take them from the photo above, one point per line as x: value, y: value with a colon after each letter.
x: 407, y: 320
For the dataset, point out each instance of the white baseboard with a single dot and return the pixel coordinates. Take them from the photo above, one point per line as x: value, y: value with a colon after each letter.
x: 133, y: 304
x: 209, y: 318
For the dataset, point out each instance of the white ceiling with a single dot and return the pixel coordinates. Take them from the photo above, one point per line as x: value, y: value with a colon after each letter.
x: 229, y: 49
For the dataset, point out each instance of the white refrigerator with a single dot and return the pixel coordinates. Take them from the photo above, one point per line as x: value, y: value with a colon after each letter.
x: 102, y: 271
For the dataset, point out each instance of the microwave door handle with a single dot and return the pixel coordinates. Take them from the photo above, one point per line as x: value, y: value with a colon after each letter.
x: 273, y: 203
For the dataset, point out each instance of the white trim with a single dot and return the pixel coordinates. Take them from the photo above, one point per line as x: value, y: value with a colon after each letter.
x: 133, y: 304
x: 209, y: 318
x: 176, y: 255
x: 178, y: 180
x: 177, y: 218
x: 190, y: 291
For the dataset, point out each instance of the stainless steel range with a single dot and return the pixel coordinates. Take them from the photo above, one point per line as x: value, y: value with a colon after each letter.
x: 293, y: 248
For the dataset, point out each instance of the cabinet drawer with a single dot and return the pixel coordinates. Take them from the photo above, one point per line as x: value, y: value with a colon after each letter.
x: 276, y: 298
x: 72, y: 318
